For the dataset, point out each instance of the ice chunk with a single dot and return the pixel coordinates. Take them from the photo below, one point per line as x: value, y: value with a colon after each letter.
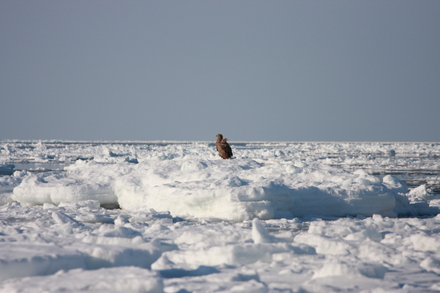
x: 7, y: 169
x: 21, y: 260
x: 337, y: 268
x: 259, y: 234
x: 426, y: 243
x: 121, y: 279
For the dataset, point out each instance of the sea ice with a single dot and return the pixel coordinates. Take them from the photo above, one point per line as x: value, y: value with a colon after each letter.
x: 234, y: 190
x: 281, y: 217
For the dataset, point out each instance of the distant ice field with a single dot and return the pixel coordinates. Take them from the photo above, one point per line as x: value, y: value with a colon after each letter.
x: 174, y: 217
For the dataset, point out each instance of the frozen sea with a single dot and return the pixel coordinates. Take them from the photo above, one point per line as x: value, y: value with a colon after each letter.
x: 174, y: 217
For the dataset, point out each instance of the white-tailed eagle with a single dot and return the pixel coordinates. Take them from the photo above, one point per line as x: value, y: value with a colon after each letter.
x: 223, y: 148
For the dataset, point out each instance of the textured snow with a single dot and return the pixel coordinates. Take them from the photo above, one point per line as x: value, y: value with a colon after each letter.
x: 280, y: 217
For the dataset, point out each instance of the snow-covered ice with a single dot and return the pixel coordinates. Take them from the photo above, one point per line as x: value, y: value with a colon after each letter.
x: 175, y: 217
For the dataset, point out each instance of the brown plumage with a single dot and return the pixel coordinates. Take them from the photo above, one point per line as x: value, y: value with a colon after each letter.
x: 223, y: 148
x: 218, y: 142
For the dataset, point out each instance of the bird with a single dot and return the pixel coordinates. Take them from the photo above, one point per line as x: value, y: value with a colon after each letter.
x: 219, y: 141
x: 223, y: 148
x: 226, y: 148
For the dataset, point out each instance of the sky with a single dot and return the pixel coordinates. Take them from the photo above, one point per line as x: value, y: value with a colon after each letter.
x: 251, y: 70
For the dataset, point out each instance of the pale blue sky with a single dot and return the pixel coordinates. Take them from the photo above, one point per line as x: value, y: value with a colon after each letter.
x: 251, y: 70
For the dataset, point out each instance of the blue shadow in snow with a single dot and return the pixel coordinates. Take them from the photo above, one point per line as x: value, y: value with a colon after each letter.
x: 180, y: 273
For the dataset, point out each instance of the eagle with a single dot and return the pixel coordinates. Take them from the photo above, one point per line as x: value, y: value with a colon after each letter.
x: 223, y: 148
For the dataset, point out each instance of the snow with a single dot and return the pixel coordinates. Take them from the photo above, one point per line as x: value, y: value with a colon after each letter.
x: 174, y: 217
x: 122, y: 279
x: 20, y: 260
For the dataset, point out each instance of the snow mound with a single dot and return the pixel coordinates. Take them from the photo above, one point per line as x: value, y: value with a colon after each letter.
x: 121, y: 279
x: 22, y: 260
x: 234, y: 190
x: 336, y: 268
